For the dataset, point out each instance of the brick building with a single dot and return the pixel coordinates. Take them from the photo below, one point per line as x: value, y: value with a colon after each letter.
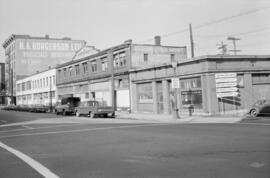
x: 2, y: 83
x: 200, y: 85
x: 91, y: 77
x: 26, y: 54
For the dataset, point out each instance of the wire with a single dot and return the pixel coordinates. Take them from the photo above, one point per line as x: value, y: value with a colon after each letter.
x: 212, y: 22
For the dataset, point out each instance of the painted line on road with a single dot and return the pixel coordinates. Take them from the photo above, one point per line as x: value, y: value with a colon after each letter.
x: 84, y: 130
x: 31, y: 162
x: 27, y: 127
x: 35, y: 128
x: 259, y: 124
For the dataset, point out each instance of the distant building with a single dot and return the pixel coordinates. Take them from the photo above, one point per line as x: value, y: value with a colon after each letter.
x: 91, y: 76
x: 39, y: 88
x: 26, y: 54
x: 2, y: 83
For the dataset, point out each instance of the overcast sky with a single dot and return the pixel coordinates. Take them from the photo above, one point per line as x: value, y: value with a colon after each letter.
x: 105, y: 23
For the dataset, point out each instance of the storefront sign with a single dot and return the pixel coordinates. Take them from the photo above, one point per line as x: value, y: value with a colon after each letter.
x: 225, y: 75
x: 229, y: 84
x: 222, y: 80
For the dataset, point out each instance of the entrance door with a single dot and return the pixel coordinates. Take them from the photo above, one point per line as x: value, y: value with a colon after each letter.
x: 160, y: 98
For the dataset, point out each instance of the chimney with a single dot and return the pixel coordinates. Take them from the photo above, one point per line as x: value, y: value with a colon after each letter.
x: 128, y: 41
x: 157, y: 40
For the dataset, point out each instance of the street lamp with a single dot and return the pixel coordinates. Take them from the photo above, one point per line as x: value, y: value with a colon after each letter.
x: 175, y: 86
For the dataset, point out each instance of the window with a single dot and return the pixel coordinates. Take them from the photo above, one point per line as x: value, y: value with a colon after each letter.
x: 145, y: 93
x: 18, y: 87
x: 172, y: 57
x: 43, y: 82
x: 70, y: 71
x: 94, y: 66
x: 104, y: 65
x: 119, y: 59
x: 77, y: 69
x: 65, y: 72
x: 85, y: 67
x: 261, y: 78
x: 59, y: 72
x: 86, y: 95
x: 47, y: 81
x: 40, y: 81
x: 145, y: 58
x: 53, y: 79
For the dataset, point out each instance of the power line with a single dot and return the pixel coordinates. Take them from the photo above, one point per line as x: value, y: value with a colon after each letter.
x: 212, y: 22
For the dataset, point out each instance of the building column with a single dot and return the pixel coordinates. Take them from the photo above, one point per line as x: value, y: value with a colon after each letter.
x: 154, y: 93
x: 166, y: 97
x: 247, y: 95
x: 133, y: 97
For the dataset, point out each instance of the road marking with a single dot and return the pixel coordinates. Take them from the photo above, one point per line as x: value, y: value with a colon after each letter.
x: 257, y: 164
x: 3, y: 121
x: 27, y: 127
x: 35, y: 128
x: 31, y: 162
x: 253, y: 124
x: 84, y: 130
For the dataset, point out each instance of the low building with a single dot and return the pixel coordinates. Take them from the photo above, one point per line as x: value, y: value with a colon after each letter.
x: 212, y: 84
x: 91, y: 77
x: 39, y: 88
x: 2, y: 83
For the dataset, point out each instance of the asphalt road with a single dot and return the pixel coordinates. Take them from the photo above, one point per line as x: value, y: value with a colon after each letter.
x: 137, y: 150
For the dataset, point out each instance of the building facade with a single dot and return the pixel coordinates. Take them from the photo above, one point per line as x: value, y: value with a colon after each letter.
x: 211, y: 84
x: 26, y: 55
x: 104, y: 76
x: 39, y: 88
x: 2, y: 83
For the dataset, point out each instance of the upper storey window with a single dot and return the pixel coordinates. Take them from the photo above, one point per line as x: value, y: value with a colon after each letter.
x: 119, y: 60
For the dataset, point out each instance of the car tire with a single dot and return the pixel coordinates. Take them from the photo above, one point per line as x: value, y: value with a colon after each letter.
x: 77, y: 114
x: 254, y: 113
x: 92, y: 115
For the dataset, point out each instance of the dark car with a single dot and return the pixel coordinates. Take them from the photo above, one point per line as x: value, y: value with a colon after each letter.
x: 261, y: 107
x: 67, y: 105
x: 39, y: 108
x: 94, y: 108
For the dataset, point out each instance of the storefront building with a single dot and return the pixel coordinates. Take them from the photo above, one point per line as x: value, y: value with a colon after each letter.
x: 210, y: 84
x: 104, y: 76
x: 39, y: 88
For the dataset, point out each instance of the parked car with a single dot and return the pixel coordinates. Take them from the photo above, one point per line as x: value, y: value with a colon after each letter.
x: 39, y: 108
x: 94, y: 108
x: 67, y: 105
x: 260, y: 107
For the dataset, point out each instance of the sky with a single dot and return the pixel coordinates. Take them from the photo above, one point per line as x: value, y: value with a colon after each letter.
x: 106, y: 23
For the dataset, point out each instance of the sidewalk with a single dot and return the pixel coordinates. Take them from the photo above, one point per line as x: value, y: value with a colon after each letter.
x: 184, y: 118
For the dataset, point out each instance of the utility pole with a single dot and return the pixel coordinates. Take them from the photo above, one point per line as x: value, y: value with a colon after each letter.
x: 222, y: 47
x: 191, y: 41
x: 50, y: 94
x: 234, y: 39
x: 111, y: 61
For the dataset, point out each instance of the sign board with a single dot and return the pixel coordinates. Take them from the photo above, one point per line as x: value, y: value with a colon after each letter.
x: 225, y: 75
x: 226, y: 85
x: 229, y: 84
x: 222, y: 80
x: 229, y: 89
x: 227, y: 94
x: 175, y: 83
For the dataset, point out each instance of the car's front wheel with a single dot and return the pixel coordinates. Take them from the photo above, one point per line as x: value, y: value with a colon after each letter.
x: 254, y: 113
x: 77, y: 114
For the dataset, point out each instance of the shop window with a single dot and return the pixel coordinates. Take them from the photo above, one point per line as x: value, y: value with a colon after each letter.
x: 192, y: 97
x: 191, y: 83
x: 145, y: 93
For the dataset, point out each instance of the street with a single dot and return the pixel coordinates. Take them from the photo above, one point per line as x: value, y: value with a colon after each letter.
x: 134, y: 149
